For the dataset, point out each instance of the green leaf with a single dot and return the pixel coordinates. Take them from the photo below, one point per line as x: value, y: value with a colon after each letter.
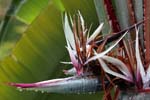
x: 58, y: 4
x: 11, y: 35
x: 39, y: 51
x: 4, y: 6
x: 30, y: 9
x: 9, y: 13
x: 37, y: 55
x: 122, y: 13
x: 12, y: 27
x: 102, y: 15
x: 138, y: 8
x: 87, y: 9
x: 10, y: 30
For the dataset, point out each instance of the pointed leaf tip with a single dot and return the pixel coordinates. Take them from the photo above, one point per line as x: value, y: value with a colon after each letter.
x: 22, y: 85
x: 140, y: 67
x: 96, y: 32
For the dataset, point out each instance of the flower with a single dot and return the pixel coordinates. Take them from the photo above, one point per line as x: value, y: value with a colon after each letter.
x: 129, y: 68
x: 91, y: 62
x: 79, y: 43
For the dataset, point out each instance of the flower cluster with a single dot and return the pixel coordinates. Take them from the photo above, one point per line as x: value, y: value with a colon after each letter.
x: 95, y: 65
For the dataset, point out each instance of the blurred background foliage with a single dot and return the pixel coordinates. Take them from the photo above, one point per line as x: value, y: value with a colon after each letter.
x: 32, y: 44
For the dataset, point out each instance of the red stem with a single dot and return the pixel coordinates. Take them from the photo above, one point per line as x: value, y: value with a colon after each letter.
x: 111, y: 15
x: 147, y: 30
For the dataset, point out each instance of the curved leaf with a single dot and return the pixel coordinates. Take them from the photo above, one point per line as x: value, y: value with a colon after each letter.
x: 30, y: 9
x: 102, y: 15
x: 37, y: 55
x: 11, y: 28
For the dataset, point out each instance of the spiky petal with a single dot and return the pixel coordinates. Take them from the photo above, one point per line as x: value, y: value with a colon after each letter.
x: 140, y: 67
x: 106, y: 51
x: 78, y: 42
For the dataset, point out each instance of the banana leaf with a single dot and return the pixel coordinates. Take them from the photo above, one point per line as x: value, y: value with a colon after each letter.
x: 37, y: 54
x: 16, y: 20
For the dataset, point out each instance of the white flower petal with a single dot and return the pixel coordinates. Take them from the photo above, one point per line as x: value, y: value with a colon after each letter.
x: 68, y: 32
x: 96, y: 32
x: 148, y: 72
x: 73, y: 58
x: 108, y: 70
x: 140, y: 67
x: 68, y: 63
x: 71, y: 71
x: 82, y: 21
x: 119, y: 64
x: 106, y: 51
x: 147, y: 78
